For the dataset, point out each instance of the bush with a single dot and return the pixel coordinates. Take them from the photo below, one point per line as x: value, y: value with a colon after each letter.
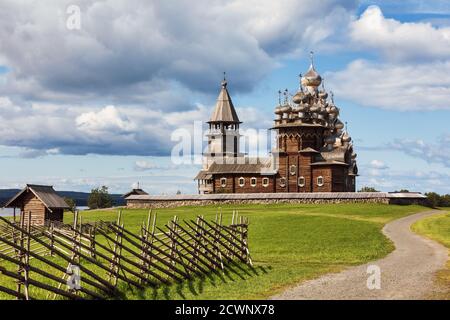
x: 437, y: 200
x: 100, y: 198
x: 368, y: 189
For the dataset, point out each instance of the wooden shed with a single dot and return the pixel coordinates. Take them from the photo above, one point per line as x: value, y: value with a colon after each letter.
x: 42, y: 202
x: 134, y: 192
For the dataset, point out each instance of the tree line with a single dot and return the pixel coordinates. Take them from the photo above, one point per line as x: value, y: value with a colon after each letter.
x: 434, y: 199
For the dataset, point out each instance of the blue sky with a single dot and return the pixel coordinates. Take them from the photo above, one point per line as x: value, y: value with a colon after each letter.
x: 83, y: 108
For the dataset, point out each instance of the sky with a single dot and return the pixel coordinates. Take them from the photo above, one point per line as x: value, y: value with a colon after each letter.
x: 92, y: 92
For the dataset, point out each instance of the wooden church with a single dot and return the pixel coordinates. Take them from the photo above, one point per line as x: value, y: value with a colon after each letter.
x: 313, y: 152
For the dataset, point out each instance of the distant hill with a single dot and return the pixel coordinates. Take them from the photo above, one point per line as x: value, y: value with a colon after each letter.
x: 79, y: 197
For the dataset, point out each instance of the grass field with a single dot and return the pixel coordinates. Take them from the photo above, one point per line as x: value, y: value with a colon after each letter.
x: 438, y: 228
x: 288, y: 243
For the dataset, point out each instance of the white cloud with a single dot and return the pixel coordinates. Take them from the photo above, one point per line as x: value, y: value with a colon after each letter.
x: 126, y: 48
x: 413, y: 71
x: 142, y: 165
x: 132, y: 130
x: 437, y: 152
x: 106, y: 120
x: 400, y: 87
x: 149, y: 62
x: 400, y: 41
x: 378, y: 164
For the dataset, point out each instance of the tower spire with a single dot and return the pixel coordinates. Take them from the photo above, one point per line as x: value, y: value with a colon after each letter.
x: 224, y: 110
x: 311, y: 58
x: 224, y: 81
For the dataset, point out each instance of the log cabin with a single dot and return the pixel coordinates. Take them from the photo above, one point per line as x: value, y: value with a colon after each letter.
x: 44, y: 204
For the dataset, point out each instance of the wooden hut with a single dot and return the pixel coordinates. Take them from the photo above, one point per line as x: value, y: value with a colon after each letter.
x: 42, y: 202
x: 135, y: 192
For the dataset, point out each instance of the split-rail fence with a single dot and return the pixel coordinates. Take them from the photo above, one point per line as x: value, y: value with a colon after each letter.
x: 99, y: 260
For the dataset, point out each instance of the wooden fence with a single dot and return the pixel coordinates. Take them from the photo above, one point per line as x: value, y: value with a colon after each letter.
x: 91, y: 260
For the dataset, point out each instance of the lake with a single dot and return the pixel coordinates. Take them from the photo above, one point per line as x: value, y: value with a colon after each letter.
x: 8, y: 212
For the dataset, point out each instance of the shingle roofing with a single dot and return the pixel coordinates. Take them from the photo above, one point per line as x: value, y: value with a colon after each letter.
x: 224, y: 110
x: 249, y: 165
x: 46, y: 194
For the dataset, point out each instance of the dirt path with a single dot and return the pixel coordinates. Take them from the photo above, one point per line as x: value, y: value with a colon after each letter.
x: 406, y: 273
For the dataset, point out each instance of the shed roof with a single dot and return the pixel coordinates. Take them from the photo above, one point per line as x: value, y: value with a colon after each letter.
x: 46, y: 194
x: 134, y: 191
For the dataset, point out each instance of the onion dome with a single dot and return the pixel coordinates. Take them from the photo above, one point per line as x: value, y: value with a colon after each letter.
x: 286, y: 108
x: 296, y: 108
x: 311, y: 78
x: 339, y: 125
x: 333, y: 111
x: 354, y: 155
x: 315, y: 107
x: 302, y: 107
x: 298, y: 97
x: 323, y: 94
x: 345, y: 137
x: 323, y: 110
x: 278, y: 110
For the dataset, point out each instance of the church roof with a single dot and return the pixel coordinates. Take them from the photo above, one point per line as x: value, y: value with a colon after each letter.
x: 224, y: 110
x: 249, y: 165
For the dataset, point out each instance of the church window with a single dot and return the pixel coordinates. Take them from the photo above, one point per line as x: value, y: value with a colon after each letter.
x: 283, y: 182
x: 320, y: 181
x: 293, y: 170
x: 241, y: 181
x: 265, y: 182
x: 223, y: 182
x: 253, y: 182
x: 301, y: 181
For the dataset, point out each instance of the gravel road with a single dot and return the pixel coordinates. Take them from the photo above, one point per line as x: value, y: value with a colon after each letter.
x: 406, y: 273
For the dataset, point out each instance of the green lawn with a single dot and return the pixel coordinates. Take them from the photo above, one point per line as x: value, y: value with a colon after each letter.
x: 288, y: 243
x: 438, y: 228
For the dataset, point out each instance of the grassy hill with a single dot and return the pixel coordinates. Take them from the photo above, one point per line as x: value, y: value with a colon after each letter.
x: 79, y: 197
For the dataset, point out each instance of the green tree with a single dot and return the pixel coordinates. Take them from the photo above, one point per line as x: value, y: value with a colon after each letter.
x: 99, y: 198
x: 368, y: 189
x: 402, y: 191
x: 72, y: 204
x: 445, y: 200
x: 433, y: 198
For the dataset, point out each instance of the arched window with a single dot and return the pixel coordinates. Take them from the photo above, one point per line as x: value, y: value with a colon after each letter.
x: 320, y: 181
x: 301, y: 181
x: 253, y: 182
x: 265, y: 182
x: 283, y: 182
x: 241, y: 181
x: 223, y: 182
